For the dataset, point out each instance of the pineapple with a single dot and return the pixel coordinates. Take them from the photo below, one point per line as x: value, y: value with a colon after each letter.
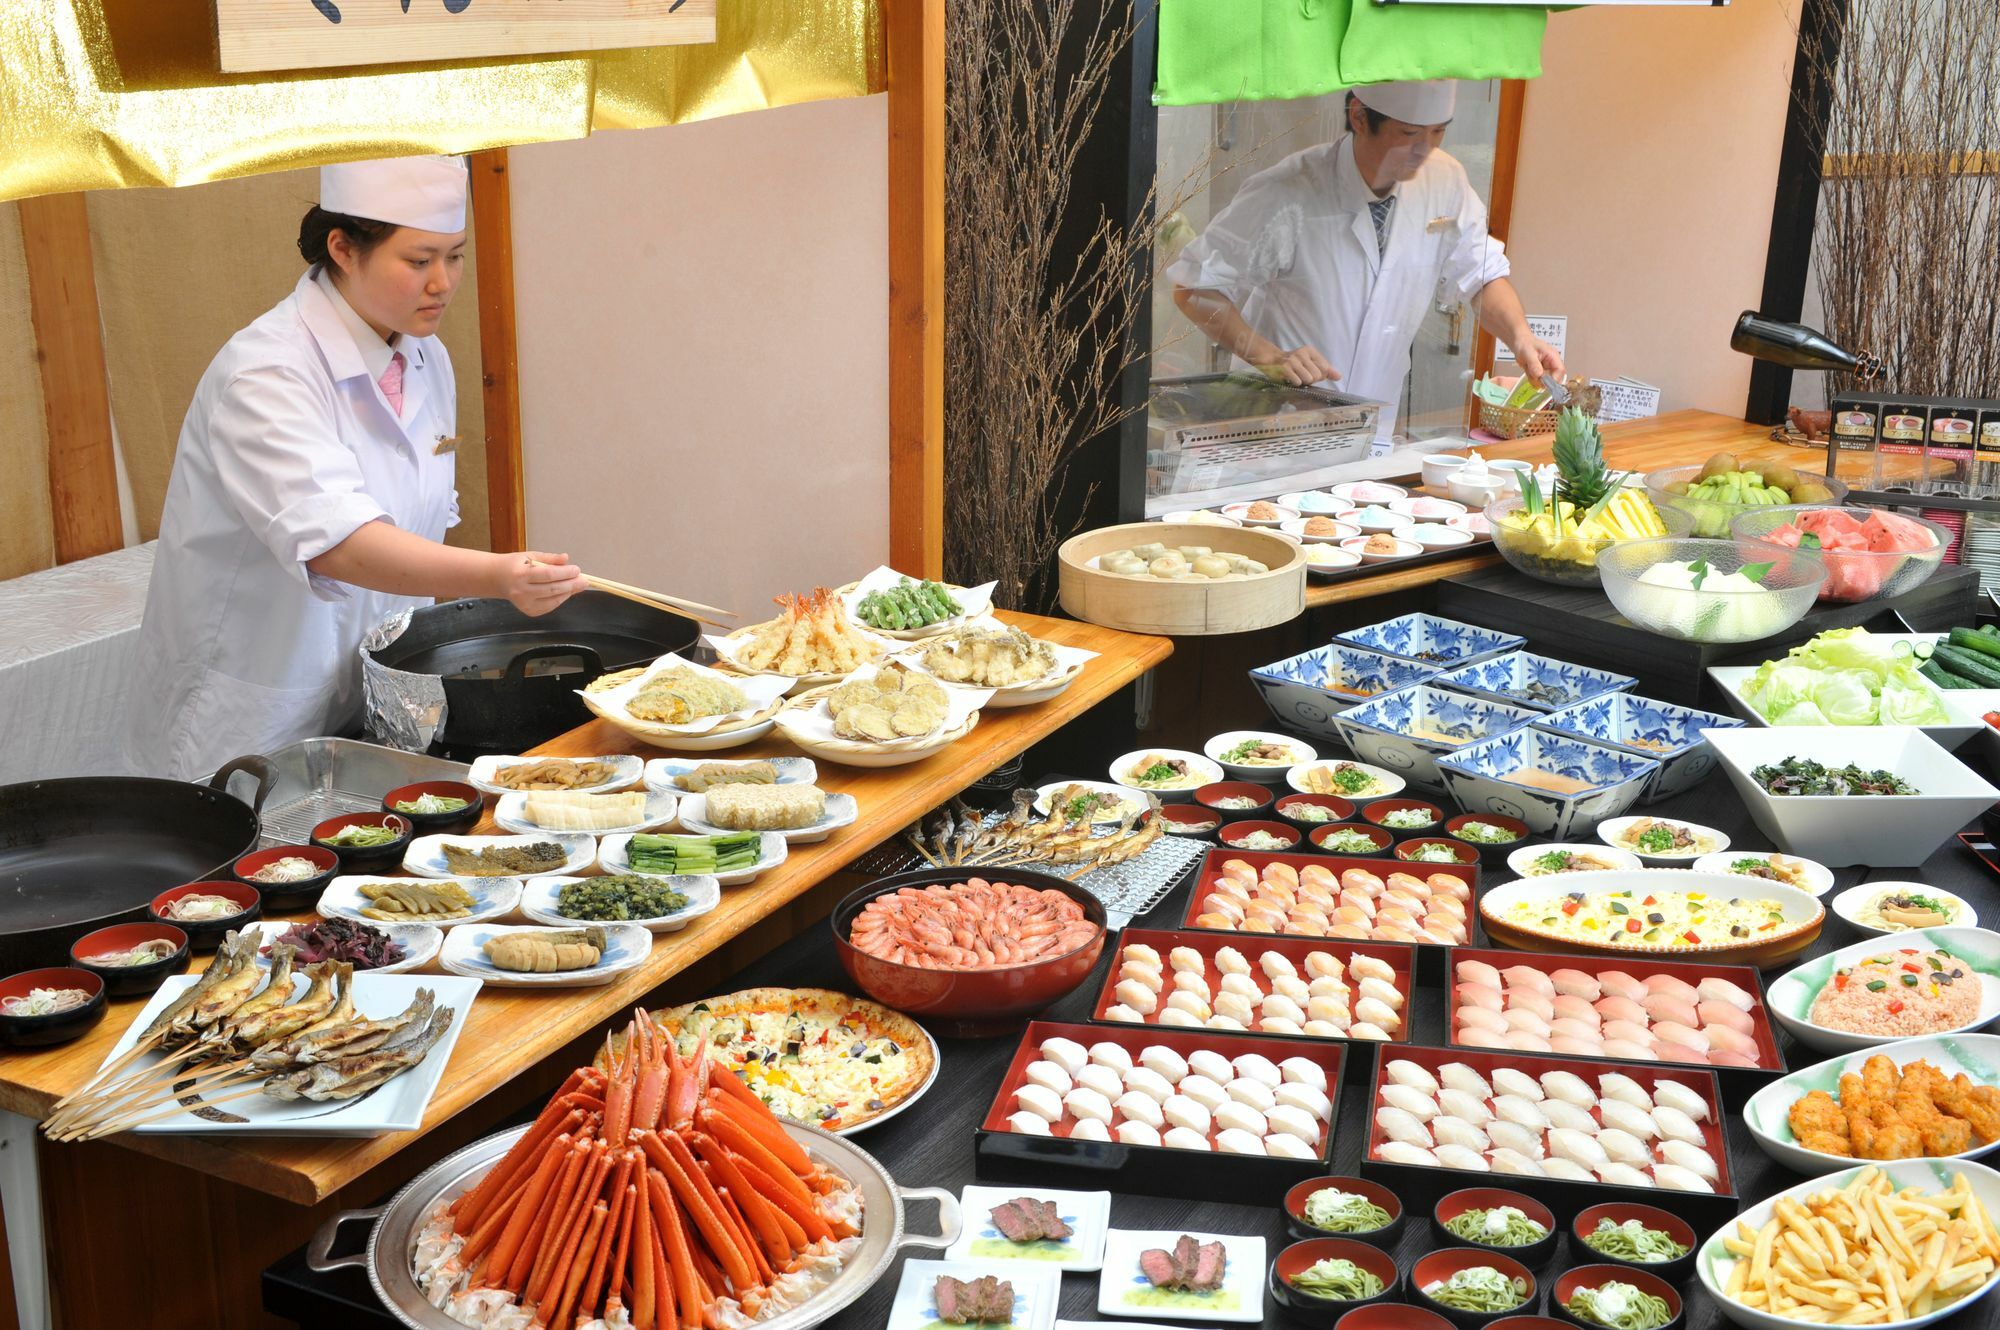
x: 1581, y: 477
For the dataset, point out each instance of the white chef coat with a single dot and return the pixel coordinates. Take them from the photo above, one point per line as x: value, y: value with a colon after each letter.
x: 1296, y: 252
x: 288, y: 448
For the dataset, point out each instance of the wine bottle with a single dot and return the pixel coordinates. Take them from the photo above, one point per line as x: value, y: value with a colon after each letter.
x: 1796, y: 346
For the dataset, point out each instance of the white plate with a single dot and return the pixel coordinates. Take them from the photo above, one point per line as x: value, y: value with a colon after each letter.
x: 1789, y: 998
x: 1767, y: 1113
x: 1316, y: 503
x: 1068, y: 668
x: 1126, y: 798
x: 704, y: 893
x: 660, y: 772
x: 1368, y: 491
x: 628, y: 769
x: 1122, y: 1288
x: 1037, y: 1290
x: 1088, y: 1213
x: 760, y: 691
x: 1240, y: 511
x: 493, y: 898
x: 511, y: 813
x: 1714, y: 1263
x: 1201, y: 771
x: 626, y: 946
x: 1802, y: 911
x: 1296, y: 529
x: 420, y: 943
x: 425, y: 856
x: 1951, y: 734
x: 1850, y: 903
x: 1262, y: 772
x: 611, y: 858
x: 841, y: 811
x: 1819, y: 878
x: 1609, y: 831
x: 398, y: 1105
x: 972, y: 602
x: 1391, y: 783
x: 1518, y: 860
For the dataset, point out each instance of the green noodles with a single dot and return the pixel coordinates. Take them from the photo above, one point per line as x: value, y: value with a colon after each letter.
x: 1337, y: 1279
x: 1502, y: 1226
x: 1338, y: 1211
x: 1633, y: 1241
x: 1479, y: 1288
x: 361, y: 835
x: 1619, y: 1306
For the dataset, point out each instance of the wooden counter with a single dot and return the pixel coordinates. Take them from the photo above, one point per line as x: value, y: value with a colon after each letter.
x: 205, y: 1238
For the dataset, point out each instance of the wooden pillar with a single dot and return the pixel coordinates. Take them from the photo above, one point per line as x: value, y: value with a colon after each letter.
x: 76, y: 395
x: 499, y: 365
x: 1499, y: 209
x: 916, y: 286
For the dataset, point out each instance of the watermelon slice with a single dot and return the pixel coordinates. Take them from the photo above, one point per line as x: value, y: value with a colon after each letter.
x: 1850, y: 546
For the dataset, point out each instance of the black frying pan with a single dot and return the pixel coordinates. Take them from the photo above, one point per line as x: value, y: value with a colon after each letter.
x: 81, y: 853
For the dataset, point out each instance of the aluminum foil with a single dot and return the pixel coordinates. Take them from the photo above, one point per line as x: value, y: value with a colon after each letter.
x: 403, y: 710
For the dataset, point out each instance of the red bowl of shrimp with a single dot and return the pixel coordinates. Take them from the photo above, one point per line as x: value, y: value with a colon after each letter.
x: 946, y: 946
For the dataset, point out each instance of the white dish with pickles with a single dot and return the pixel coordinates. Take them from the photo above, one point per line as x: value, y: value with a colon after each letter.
x: 596, y: 814
x: 841, y: 810
x: 546, y: 900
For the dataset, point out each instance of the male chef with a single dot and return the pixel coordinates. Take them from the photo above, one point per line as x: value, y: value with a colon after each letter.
x: 1321, y: 267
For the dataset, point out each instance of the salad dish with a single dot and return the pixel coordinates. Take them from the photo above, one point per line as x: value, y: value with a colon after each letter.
x: 1847, y: 677
x: 1667, y: 913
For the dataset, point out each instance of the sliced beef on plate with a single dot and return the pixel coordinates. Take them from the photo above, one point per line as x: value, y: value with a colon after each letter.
x: 1186, y: 1250
x: 1158, y: 1267
x: 949, y: 1295
x: 1210, y: 1261
x: 1016, y: 1221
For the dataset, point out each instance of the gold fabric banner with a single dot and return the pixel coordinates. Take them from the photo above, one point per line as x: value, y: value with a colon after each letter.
x: 98, y: 94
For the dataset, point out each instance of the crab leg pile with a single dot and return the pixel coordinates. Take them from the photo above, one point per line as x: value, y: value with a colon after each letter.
x: 649, y: 1193
x: 224, y: 1033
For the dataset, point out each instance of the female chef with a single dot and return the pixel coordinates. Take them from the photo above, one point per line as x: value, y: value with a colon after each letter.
x: 312, y: 485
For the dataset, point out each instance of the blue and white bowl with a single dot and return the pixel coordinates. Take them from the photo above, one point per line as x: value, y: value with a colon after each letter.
x: 1542, y: 683
x: 1426, y: 638
x: 1384, y: 730
x: 1305, y: 692
x: 1484, y: 778
x: 1670, y: 735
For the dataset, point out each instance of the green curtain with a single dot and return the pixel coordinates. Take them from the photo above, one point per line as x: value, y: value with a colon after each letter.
x: 1261, y: 50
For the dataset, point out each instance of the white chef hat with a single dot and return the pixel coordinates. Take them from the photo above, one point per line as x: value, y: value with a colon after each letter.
x: 427, y: 193
x: 1426, y: 103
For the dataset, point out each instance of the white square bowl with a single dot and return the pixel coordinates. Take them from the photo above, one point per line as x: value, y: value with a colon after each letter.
x: 1958, y: 704
x: 1881, y: 831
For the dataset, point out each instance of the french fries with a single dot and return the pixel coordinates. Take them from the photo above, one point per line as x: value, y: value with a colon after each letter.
x: 1865, y: 1254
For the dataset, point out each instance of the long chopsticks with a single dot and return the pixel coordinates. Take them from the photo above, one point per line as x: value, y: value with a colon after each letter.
x: 694, y: 609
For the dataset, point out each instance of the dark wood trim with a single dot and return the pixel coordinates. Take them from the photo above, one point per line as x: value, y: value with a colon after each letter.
x: 499, y: 362
x: 916, y: 286
x: 1499, y: 207
x: 76, y: 394
x: 1794, y: 212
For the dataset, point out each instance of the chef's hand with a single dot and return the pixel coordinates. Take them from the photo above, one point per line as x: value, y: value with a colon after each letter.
x: 1299, y: 366
x: 537, y: 583
x: 1537, y: 358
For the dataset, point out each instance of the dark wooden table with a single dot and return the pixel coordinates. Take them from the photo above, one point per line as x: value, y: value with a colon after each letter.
x: 931, y: 1144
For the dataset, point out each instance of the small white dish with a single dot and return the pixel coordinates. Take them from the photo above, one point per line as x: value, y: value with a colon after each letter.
x: 1375, y: 519
x: 1124, y: 1290
x: 1423, y: 508
x: 1819, y: 878
x: 1387, y: 783
x: 1088, y: 1214
x: 613, y: 856
x: 626, y: 771
x: 1854, y: 902
x: 1200, y: 771
x: 1121, y: 799
x: 1473, y: 523
x: 1241, y: 512
x: 1708, y: 840
x: 1439, y: 468
x: 492, y: 897
x: 626, y: 946
x: 1363, y: 492
x: 841, y: 811
x: 420, y: 943
x: 1522, y: 860
x: 1313, y: 501
x: 541, y: 895
x: 1262, y: 772
x: 1475, y: 491
x: 1296, y: 528
x: 1433, y: 536
x: 1330, y: 559
x: 1037, y: 1291
x: 1358, y: 546
x: 511, y: 814
x: 1198, y: 517
x: 425, y: 855
x: 1768, y: 1112
x: 1790, y: 997
x: 662, y: 771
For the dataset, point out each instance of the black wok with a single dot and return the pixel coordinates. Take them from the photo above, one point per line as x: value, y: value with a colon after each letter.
x: 88, y: 851
x: 510, y: 681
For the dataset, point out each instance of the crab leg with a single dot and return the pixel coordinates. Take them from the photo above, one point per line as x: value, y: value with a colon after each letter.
x: 560, y: 1246
x: 707, y: 1216
x: 736, y: 1099
x: 751, y: 1206
x: 586, y: 1252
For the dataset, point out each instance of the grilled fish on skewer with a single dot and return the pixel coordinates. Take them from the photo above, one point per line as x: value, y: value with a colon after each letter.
x: 224, y: 964
x: 325, y: 1041
x: 229, y: 993
x: 351, y: 1077
x: 328, y: 977
x: 277, y: 992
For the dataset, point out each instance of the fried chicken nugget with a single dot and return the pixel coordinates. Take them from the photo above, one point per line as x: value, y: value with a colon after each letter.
x: 1879, y: 1077
x: 1977, y: 1105
x: 1818, y: 1124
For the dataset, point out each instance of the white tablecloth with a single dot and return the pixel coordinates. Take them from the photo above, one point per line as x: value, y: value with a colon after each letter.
x: 68, y: 638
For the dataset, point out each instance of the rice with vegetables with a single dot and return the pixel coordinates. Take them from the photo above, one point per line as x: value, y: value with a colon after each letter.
x: 1897, y: 994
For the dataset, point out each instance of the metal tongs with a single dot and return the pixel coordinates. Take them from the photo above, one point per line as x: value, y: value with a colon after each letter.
x: 1558, y: 395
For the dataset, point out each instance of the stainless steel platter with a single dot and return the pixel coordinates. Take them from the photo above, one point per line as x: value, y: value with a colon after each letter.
x: 397, y: 1223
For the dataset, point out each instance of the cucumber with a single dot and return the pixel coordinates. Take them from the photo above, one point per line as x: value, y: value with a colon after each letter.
x: 1973, y: 641
x: 1981, y: 670
x: 1942, y: 677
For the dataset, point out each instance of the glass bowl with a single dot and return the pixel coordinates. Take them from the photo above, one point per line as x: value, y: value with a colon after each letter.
x: 1708, y: 614
x: 1572, y: 559
x: 1712, y: 516
x: 1853, y: 576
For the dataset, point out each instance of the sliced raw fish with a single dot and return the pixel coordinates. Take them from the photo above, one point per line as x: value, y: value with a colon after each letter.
x: 1513, y: 1161
x: 1479, y: 995
x: 1479, y: 1018
x: 1458, y: 1076
x: 1562, y: 1114
x: 1527, y: 976
x: 1526, y: 999
x: 1713, y: 1012
x: 1457, y: 1131
x: 1578, y: 1148
x: 1630, y: 1031
x: 1629, y: 1050
x: 1588, y: 1047
x: 1614, y: 1007
x: 1576, y: 983
x: 1402, y: 1152
x: 1474, y: 1036
x: 1623, y: 1175
x: 1450, y: 905
x: 1568, y: 1027
x: 1666, y: 983
x: 1477, y: 972
x: 1623, y: 1117
x: 1567, y: 1168
x: 1411, y: 1100
x: 1568, y: 1087
x: 1571, y: 1006
x: 1722, y: 990
x: 1623, y: 1147
x: 1669, y: 1007
x: 1528, y: 1042
x: 1675, y: 1125
x: 1718, y: 1058
x: 1532, y: 1022
x: 1676, y: 1178
x: 1617, y: 983
x: 1666, y: 1052
x: 1457, y: 1156
x: 1691, y: 1157
x: 1673, y: 1032
x: 1526, y: 1112
x: 1459, y: 1104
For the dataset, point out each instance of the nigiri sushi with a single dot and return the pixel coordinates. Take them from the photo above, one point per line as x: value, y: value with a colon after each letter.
x: 1458, y: 1076
x: 1576, y: 983
x: 1402, y: 1071
x: 1512, y: 1080
x: 1526, y: 1112
x: 1568, y: 1087
x: 1578, y: 1148
x: 1396, y: 1152
x: 1672, y: 1094
x: 1449, y: 1130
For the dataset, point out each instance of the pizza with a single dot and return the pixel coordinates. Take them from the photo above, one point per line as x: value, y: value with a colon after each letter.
x: 813, y: 1055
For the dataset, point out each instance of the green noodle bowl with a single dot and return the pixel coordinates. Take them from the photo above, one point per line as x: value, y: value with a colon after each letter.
x: 1335, y: 1211
x: 1633, y: 1241
x: 1619, y: 1306
x: 1337, y: 1280
x: 1502, y: 1226
x: 1479, y: 1288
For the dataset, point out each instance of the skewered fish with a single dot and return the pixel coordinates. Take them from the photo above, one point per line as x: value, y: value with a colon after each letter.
x: 326, y: 1041
x: 352, y: 1077
x: 177, y: 1016
x: 329, y: 978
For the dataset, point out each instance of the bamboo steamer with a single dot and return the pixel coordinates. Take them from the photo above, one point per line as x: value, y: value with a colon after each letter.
x: 1195, y: 607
